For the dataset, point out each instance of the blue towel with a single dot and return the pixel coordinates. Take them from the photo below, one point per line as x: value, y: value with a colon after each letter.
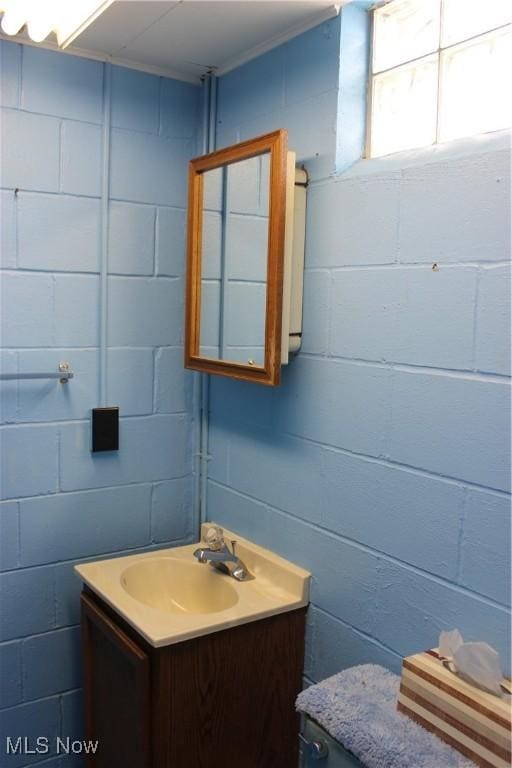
x: 357, y: 707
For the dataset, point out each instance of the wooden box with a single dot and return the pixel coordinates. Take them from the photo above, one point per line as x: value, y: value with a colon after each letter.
x: 476, y: 723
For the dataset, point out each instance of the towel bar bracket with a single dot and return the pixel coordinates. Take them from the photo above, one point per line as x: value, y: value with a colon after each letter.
x: 66, y: 372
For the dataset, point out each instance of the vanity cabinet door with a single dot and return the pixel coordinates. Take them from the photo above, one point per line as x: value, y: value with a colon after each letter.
x: 229, y: 697
x: 117, y: 692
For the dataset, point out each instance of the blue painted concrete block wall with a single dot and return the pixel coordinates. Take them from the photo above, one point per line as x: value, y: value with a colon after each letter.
x: 382, y: 461
x: 61, y: 503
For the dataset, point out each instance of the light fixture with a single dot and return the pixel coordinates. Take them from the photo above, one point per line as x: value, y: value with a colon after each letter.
x: 67, y: 18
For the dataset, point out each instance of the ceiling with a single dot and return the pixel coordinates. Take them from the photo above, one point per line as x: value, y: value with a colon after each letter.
x: 187, y: 38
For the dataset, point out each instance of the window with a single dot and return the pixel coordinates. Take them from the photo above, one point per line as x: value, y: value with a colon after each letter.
x: 440, y: 70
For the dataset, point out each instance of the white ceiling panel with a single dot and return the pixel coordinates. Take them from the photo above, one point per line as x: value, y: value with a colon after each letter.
x: 193, y: 36
x: 121, y: 23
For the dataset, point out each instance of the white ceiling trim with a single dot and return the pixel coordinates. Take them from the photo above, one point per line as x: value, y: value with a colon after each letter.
x: 84, y: 53
x: 253, y: 53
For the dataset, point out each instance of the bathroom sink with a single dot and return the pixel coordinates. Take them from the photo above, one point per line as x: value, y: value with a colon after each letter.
x: 174, y: 586
x: 169, y: 597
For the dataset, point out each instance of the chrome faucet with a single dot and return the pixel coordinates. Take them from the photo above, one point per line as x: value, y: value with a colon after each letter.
x: 219, y: 556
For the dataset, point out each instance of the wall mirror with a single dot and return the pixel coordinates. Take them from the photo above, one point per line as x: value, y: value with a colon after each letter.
x: 237, y: 223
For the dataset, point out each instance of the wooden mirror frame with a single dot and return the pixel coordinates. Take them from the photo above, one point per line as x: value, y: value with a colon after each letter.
x: 276, y: 145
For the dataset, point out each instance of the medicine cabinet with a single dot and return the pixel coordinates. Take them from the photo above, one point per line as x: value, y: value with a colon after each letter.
x: 245, y: 260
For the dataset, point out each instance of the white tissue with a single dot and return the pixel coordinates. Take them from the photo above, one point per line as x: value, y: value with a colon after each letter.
x: 478, y: 663
x: 449, y: 642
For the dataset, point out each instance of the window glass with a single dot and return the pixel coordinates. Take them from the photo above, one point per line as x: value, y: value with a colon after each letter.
x: 404, y: 30
x: 463, y: 19
x: 475, y: 86
x: 440, y: 71
x: 404, y: 103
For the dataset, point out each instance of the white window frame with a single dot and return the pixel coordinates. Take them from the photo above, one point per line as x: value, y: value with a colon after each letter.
x: 436, y: 52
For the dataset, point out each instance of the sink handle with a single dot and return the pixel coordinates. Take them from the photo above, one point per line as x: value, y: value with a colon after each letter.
x: 233, y: 547
x: 214, y: 537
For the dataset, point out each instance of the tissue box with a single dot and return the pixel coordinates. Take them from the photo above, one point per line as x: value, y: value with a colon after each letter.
x: 476, y: 723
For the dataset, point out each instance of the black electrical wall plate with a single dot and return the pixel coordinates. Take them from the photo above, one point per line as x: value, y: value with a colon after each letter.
x: 105, y: 429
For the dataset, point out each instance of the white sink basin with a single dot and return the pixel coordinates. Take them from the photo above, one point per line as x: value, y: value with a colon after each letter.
x: 173, y: 586
x: 168, y: 597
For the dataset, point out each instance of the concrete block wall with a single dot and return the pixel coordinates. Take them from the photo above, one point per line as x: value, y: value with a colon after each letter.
x: 382, y: 462
x: 62, y: 504
x: 259, y: 96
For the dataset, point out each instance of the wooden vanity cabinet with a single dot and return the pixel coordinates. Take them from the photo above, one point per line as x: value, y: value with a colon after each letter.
x: 224, y: 699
